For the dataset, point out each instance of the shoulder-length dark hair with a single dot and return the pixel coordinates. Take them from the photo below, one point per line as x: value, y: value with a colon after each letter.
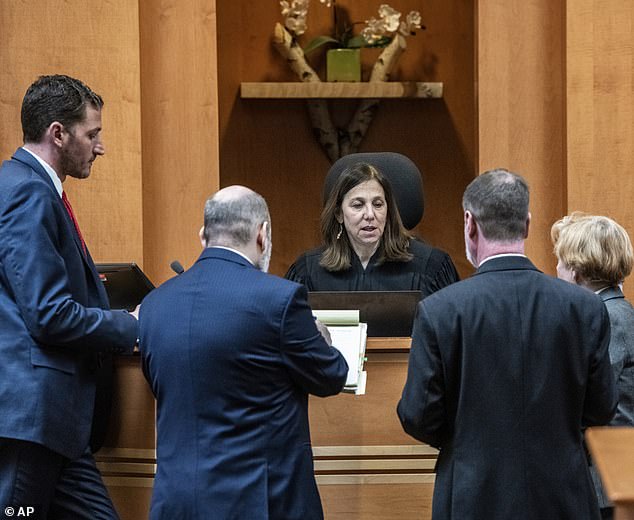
x: 394, y: 243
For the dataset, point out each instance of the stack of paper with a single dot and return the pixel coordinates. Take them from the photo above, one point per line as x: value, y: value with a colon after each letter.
x: 349, y: 337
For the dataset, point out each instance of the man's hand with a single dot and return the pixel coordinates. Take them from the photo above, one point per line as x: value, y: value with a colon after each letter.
x: 324, y: 331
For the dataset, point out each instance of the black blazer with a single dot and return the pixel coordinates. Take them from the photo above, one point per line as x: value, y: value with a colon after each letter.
x: 505, y: 369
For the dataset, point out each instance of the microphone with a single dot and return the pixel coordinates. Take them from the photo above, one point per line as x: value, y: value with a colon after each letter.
x: 177, y: 267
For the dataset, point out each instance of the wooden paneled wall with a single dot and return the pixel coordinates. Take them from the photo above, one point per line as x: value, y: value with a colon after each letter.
x: 600, y: 110
x: 520, y: 117
x: 144, y: 199
x: 97, y: 42
x: 180, y: 142
x: 556, y: 104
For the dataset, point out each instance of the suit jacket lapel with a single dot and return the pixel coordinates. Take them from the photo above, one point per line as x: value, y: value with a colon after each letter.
x: 26, y: 158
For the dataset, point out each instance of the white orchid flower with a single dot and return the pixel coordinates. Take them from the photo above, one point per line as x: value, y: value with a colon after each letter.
x: 374, y: 30
x: 295, y: 14
x: 390, y: 16
x: 296, y: 25
x: 295, y: 8
x: 377, y: 31
x: 412, y: 21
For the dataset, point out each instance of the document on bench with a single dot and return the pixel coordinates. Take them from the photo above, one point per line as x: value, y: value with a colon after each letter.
x: 349, y: 337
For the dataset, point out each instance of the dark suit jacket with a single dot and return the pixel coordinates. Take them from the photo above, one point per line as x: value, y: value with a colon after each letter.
x: 231, y: 354
x: 505, y: 369
x: 52, y: 322
x: 622, y: 358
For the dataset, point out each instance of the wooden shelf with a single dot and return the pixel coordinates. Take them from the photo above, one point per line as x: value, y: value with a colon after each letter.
x: 325, y: 90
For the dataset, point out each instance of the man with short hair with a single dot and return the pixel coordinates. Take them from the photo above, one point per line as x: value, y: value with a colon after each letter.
x: 231, y: 354
x: 505, y: 370
x: 55, y: 326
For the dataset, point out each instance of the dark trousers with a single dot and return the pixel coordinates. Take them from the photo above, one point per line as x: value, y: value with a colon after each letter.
x: 607, y: 513
x: 36, y: 482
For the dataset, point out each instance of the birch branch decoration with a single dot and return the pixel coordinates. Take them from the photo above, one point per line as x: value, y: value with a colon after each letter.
x: 360, y: 121
x: 388, y: 31
x: 323, y: 127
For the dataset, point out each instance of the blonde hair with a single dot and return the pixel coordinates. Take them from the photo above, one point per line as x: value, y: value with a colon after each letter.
x: 597, y: 248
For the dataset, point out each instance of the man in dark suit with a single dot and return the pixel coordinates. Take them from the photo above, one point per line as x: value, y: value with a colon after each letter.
x: 54, y: 322
x: 505, y: 370
x: 231, y: 354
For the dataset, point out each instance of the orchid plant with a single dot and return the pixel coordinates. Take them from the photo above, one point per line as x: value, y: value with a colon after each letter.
x: 378, y: 32
x: 388, y: 30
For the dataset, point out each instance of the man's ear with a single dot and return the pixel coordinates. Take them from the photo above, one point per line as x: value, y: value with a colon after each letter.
x: 201, y: 235
x: 470, y: 224
x: 56, y: 133
x: 262, y: 234
x: 528, y: 223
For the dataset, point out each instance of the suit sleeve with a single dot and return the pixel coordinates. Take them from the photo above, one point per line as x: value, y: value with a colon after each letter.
x: 421, y: 409
x: 601, y: 394
x: 36, y: 274
x: 315, y: 366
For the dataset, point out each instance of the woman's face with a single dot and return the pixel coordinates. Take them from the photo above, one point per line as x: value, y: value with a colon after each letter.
x: 565, y: 273
x: 364, y: 212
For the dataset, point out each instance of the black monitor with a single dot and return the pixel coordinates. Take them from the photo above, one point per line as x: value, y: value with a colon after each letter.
x: 125, y: 284
x: 387, y: 313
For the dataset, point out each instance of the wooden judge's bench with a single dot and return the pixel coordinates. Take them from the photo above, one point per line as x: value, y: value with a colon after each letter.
x: 366, y: 466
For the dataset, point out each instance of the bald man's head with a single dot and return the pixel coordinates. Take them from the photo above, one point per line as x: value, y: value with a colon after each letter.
x: 234, y: 192
x: 234, y: 217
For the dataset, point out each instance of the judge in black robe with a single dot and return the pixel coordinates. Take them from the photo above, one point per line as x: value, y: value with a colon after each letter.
x: 366, y: 246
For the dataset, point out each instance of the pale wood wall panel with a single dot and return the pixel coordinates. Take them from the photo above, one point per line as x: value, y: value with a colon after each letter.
x: 520, y: 91
x: 377, y: 501
x: 600, y: 99
x: 98, y: 43
x: 179, y: 110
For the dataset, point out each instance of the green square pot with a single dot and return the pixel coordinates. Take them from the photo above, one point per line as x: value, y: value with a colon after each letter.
x: 343, y: 65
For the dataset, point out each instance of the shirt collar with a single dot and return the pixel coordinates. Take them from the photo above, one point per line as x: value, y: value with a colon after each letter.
x: 234, y: 251
x: 599, y: 291
x: 49, y: 169
x: 501, y: 256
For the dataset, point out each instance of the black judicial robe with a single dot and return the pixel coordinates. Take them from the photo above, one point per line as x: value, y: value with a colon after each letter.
x: 429, y: 270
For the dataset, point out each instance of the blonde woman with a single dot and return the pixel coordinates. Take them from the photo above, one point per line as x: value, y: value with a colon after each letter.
x: 595, y: 252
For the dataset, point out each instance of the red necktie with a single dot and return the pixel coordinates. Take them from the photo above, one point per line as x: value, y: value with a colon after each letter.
x: 69, y: 209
